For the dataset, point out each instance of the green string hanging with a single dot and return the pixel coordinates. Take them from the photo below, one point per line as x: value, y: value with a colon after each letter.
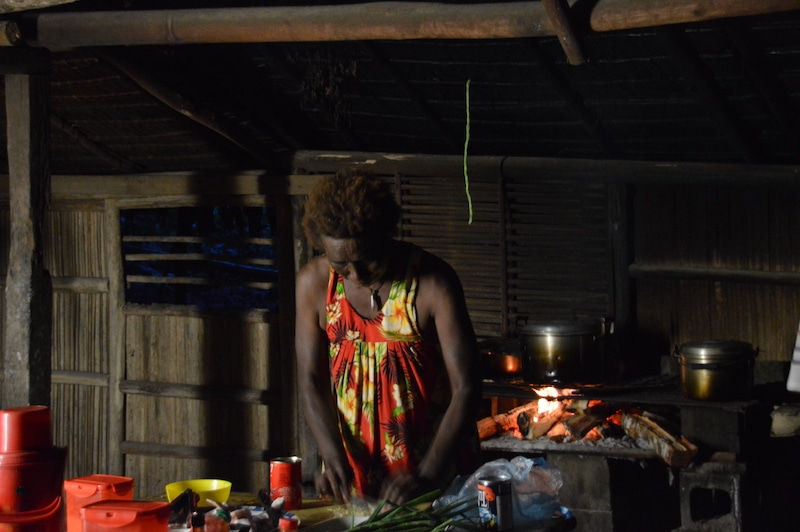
x: 466, y: 145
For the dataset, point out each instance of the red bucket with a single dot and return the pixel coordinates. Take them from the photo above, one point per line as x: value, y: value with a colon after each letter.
x: 30, y: 481
x: 25, y: 428
x: 47, y: 519
x: 93, y: 488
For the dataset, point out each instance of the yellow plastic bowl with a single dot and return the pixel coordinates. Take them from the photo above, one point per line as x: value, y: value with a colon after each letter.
x: 206, y: 488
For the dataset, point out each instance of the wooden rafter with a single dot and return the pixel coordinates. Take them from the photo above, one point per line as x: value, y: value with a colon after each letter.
x: 278, y: 63
x: 558, y: 11
x: 432, y: 119
x: 702, y: 82
x: 187, y: 108
x: 103, y: 152
x: 575, y: 103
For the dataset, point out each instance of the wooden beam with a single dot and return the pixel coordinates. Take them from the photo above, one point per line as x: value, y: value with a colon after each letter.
x: 10, y: 6
x: 612, y: 15
x: 558, y: 11
x: 531, y: 168
x: 29, y: 305
x: 371, y: 21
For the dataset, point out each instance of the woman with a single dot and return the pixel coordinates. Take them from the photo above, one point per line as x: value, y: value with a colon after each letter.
x: 386, y: 352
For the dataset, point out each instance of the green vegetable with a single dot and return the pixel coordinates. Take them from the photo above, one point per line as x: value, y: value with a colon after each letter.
x: 409, y: 517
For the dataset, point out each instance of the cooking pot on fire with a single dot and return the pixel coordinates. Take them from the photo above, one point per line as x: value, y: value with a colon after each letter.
x: 501, y: 357
x: 560, y: 351
x: 717, y: 370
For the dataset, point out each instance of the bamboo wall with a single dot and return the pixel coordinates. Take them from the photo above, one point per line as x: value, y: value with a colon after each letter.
x: 157, y: 393
x: 194, y: 403
x: 719, y: 262
x: 161, y: 394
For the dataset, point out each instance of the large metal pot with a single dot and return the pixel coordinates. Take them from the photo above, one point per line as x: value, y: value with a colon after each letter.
x: 559, y: 351
x: 717, y: 370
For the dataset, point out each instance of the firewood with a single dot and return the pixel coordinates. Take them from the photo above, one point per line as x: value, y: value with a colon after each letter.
x: 676, y: 451
x: 493, y: 425
x: 531, y: 427
x: 579, y: 425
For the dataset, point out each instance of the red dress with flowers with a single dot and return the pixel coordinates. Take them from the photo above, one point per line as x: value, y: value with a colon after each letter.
x: 388, y: 381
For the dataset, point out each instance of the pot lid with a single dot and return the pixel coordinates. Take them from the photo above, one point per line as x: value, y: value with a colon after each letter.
x: 564, y: 327
x: 499, y: 345
x: 717, y: 348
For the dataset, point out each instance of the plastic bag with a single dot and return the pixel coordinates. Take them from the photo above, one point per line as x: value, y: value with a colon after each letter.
x: 534, y: 487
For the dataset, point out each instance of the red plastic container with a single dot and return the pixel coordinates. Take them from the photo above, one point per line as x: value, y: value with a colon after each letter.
x: 47, y: 519
x: 125, y: 516
x: 81, y: 491
x: 25, y: 428
x: 31, y: 481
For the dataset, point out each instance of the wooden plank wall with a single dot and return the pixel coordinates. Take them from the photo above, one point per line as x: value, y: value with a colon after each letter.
x: 195, y: 398
x: 155, y: 393
x: 719, y: 262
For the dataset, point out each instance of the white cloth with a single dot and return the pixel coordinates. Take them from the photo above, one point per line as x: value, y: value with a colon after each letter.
x: 793, y: 382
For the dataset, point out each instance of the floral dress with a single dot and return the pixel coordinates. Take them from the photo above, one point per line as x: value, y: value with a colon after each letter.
x: 386, y: 378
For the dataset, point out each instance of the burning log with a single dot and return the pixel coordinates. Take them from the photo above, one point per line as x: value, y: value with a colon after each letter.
x: 531, y: 426
x: 494, y: 425
x: 579, y: 425
x: 641, y: 426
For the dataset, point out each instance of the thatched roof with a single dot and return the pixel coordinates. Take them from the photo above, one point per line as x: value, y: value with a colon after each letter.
x: 137, y: 89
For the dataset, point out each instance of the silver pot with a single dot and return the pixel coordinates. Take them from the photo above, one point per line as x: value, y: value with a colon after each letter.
x: 717, y: 370
x: 559, y: 351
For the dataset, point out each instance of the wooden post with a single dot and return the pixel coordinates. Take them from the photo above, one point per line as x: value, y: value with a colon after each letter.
x: 29, y: 305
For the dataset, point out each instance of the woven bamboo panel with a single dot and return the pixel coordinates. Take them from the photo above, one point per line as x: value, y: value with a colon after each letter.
x: 436, y: 216
x: 4, y: 239
x: 751, y: 229
x: 153, y: 473
x: 536, y: 249
x: 207, y: 354
x: 199, y: 350
x: 558, y: 251
x: 73, y: 241
x: 80, y: 332
x: 80, y: 423
x: 766, y: 316
x: 196, y: 423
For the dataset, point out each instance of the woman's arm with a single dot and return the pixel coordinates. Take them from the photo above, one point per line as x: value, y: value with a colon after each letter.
x: 441, y: 309
x: 314, y: 381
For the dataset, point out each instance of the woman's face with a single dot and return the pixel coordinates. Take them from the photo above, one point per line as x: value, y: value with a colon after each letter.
x: 362, y: 262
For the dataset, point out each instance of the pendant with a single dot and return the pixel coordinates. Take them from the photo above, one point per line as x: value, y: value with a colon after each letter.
x: 374, y: 300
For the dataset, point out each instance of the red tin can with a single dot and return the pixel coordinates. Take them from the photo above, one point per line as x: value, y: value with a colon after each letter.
x: 285, y: 475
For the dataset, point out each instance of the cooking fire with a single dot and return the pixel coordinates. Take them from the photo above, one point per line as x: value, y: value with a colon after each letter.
x: 562, y: 417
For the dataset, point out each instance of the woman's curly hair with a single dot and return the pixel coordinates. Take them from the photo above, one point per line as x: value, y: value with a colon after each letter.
x: 350, y: 204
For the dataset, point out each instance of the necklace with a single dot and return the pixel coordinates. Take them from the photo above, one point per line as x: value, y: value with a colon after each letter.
x: 375, y: 298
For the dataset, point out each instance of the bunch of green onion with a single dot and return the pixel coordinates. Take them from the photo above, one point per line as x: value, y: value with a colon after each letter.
x: 417, y: 516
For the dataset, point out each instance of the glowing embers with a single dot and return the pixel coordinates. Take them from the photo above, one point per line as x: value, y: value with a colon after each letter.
x: 560, y: 416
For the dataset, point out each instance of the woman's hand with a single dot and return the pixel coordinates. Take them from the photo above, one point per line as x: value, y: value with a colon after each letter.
x: 403, y: 487
x: 334, y: 482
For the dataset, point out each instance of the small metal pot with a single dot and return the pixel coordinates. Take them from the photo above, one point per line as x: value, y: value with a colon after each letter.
x: 558, y: 351
x: 717, y: 370
x: 501, y: 357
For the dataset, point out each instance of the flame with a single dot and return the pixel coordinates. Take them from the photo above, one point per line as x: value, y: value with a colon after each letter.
x: 549, y: 400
